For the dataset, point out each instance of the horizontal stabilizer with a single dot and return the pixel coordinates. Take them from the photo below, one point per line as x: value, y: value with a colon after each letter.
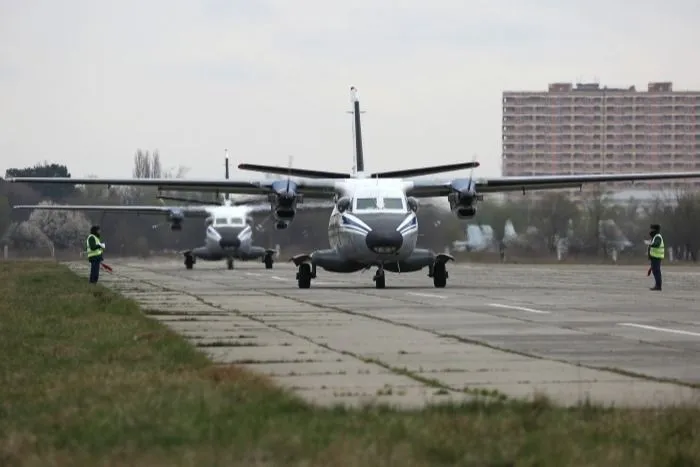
x: 292, y: 172
x: 435, y: 169
x: 188, y: 200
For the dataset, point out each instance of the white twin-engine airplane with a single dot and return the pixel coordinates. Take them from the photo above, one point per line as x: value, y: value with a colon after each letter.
x: 373, y: 223
x: 229, y: 226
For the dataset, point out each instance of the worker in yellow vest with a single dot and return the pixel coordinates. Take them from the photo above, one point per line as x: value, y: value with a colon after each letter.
x: 95, y: 248
x: 656, y: 253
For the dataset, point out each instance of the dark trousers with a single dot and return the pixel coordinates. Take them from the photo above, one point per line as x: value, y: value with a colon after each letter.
x: 656, y: 271
x: 95, y: 269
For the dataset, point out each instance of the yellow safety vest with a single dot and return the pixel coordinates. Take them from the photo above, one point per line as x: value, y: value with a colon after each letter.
x: 91, y: 253
x: 657, y: 252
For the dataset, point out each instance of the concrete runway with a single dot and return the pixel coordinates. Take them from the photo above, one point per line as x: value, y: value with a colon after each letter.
x: 570, y: 332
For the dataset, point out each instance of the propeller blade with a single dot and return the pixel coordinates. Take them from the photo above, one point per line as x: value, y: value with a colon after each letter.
x: 471, y: 171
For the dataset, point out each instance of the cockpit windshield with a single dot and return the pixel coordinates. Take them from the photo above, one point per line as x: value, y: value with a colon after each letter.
x: 393, y: 203
x: 220, y: 221
x: 366, y: 203
x: 379, y: 203
x: 236, y: 221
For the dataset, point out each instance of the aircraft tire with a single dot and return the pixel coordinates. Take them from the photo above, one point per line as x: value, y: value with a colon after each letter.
x: 268, y: 262
x: 189, y: 262
x: 229, y: 264
x: 440, y: 276
x: 304, y: 276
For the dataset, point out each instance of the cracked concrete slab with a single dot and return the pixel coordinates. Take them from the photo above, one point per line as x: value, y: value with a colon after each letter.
x: 570, y: 332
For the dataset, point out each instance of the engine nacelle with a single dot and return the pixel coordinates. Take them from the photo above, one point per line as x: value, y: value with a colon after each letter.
x: 343, y: 204
x: 284, y: 203
x: 175, y: 217
x: 465, y: 212
x: 463, y: 199
x: 284, y: 214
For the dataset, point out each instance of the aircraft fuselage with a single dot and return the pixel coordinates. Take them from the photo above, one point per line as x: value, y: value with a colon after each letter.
x: 228, y: 235
x: 373, y: 238
x: 372, y: 224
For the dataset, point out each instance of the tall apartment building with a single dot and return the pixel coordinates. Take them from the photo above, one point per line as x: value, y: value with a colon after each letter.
x: 593, y: 129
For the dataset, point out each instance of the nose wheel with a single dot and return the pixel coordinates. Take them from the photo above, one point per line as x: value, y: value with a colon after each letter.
x: 379, y: 278
x: 189, y: 261
x: 229, y: 263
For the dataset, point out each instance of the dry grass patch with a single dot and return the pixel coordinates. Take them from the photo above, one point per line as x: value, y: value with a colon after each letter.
x: 88, y: 379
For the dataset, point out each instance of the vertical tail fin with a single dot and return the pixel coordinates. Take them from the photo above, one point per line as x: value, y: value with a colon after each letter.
x: 359, y: 157
x: 226, y: 195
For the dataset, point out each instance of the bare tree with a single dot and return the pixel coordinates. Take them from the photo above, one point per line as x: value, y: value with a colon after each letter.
x: 596, y: 208
x: 551, y: 216
x: 147, y: 165
x: 684, y: 225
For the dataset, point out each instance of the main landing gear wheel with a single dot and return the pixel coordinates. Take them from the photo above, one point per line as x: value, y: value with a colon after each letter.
x: 268, y: 261
x: 379, y: 279
x: 229, y: 263
x: 304, y: 276
x: 440, y: 275
x: 189, y: 261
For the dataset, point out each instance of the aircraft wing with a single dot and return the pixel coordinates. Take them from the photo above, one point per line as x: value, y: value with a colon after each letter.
x: 185, y: 211
x: 264, y: 208
x: 435, y: 188
x: 323, y: 188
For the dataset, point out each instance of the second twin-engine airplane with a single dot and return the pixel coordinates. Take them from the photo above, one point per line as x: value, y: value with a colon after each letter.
x: 229, y: 226
x: 373, y: 223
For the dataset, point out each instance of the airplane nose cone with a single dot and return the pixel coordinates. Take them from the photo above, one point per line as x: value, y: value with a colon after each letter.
x: 230, y: 242
x: 384, y: 242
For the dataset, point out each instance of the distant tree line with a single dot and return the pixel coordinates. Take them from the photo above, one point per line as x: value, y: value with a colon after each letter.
x: 551, y: 216
x: 556, y: 215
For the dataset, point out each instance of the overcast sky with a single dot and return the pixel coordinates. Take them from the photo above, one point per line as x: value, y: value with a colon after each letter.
x: 87, y: 82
